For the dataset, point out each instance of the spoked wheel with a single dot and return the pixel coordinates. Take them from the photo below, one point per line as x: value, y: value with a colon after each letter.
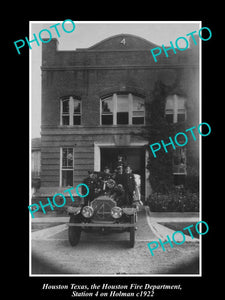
x: 132, y: 232
x: 74, y: 232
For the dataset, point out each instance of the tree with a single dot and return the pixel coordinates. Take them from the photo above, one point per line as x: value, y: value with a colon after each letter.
x: 161, y: 167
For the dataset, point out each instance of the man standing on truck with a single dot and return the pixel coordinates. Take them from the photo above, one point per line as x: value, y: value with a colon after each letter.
x: 120, y: 163
x: 129, y: 185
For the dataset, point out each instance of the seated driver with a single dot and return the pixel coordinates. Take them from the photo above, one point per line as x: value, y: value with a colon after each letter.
x: 104, y: 178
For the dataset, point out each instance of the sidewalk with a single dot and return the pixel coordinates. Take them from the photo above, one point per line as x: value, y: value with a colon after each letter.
x: 161, y: 231
x: 59, y: 226
x: 150, y: 224
x: 174, y: 216
x: 154, y: 216
x: 49, y: 219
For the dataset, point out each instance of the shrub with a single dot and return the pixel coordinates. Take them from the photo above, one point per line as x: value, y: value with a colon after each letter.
x: 178, y: 199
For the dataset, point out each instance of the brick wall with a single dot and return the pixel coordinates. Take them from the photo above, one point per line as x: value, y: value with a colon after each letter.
x: 89, y: 74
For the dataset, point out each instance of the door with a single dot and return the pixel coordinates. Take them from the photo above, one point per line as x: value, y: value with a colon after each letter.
x: 133, y: 156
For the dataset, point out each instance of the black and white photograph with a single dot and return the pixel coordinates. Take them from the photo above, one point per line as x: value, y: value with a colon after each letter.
x: 114, y: 182
x: 115, y: 148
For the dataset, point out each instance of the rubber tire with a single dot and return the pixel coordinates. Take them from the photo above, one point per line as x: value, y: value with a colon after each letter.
x: 132, y: 234
x: 74, y: 232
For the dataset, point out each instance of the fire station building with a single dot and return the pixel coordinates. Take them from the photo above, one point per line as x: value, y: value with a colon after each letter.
x: 95, y: 105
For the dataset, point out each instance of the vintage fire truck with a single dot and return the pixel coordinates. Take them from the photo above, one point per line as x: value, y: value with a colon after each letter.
x: 105, y: 211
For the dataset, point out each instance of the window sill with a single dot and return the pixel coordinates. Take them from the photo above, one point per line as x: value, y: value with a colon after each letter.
x: 123, y: 125
x: 70, y: 126
x: 115, y: 126
x: 179, y: 173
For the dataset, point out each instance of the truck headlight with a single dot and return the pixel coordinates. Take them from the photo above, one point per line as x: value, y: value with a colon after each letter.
x: 87, y: 211
x: 116, y: 212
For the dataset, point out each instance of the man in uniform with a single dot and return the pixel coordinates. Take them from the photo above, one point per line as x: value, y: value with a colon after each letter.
x: 90, y: 181
x: 104, y: 178
x: 119, y: 177
x: 120, y: 163
x: 106, y: 173
x: 129, y: 185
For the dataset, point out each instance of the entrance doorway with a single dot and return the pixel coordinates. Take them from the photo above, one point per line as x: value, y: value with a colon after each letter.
x: 133, y: 156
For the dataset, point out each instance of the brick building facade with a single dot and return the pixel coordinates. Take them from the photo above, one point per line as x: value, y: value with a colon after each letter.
x: 95, y: 105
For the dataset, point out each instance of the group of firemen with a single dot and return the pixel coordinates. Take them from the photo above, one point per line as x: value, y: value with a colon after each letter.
x: 123, y: 177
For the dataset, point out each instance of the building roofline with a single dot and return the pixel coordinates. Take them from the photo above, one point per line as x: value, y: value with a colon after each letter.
x: 149, y: 44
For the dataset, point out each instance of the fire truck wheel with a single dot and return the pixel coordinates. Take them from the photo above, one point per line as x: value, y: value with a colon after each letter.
x: 74, y: 232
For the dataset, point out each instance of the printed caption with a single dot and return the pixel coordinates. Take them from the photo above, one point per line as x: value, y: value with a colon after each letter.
x: 113, y: 290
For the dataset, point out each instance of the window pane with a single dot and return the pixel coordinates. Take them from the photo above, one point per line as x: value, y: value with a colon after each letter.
x: 181, y: 103
x: 122, y: 103
x: 170, y: 103
x: 65, y: 106
x: 137, y: 120
x: 179, y: 169
x: 107, y: 105
x: 138, y: 113
x: 77, y: 104
x: 70, y: 157
x: 122, y: 118
x: 181, y: 117
x: 64, y: 157
x: 65, y: 120
x: 67, y: 158
x: 107, y: 119
x: 76, y: 120
x: 179, y: 179
x: 179, y: 161
x: 67, y: 178
x: 138, y: 104
x: 169, y: 118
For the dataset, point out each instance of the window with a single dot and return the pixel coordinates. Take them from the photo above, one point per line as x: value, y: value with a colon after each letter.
x: 179, y: 161
x: 70, y: 111
x: 107, y: 111
x: 67, y: 167
x: 138, y: 113
x: 122, y: 109
x: 35, y: 163
x: 175, y: 109
x: 179, y: 166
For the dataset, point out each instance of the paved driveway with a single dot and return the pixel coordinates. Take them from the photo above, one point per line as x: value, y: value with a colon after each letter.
x: 109, y: 254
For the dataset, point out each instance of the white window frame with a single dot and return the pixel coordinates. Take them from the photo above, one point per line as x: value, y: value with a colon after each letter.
x: 61, y: 166
x: 175, y: 110
x: 114, y: 113
x: 71, y: 110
